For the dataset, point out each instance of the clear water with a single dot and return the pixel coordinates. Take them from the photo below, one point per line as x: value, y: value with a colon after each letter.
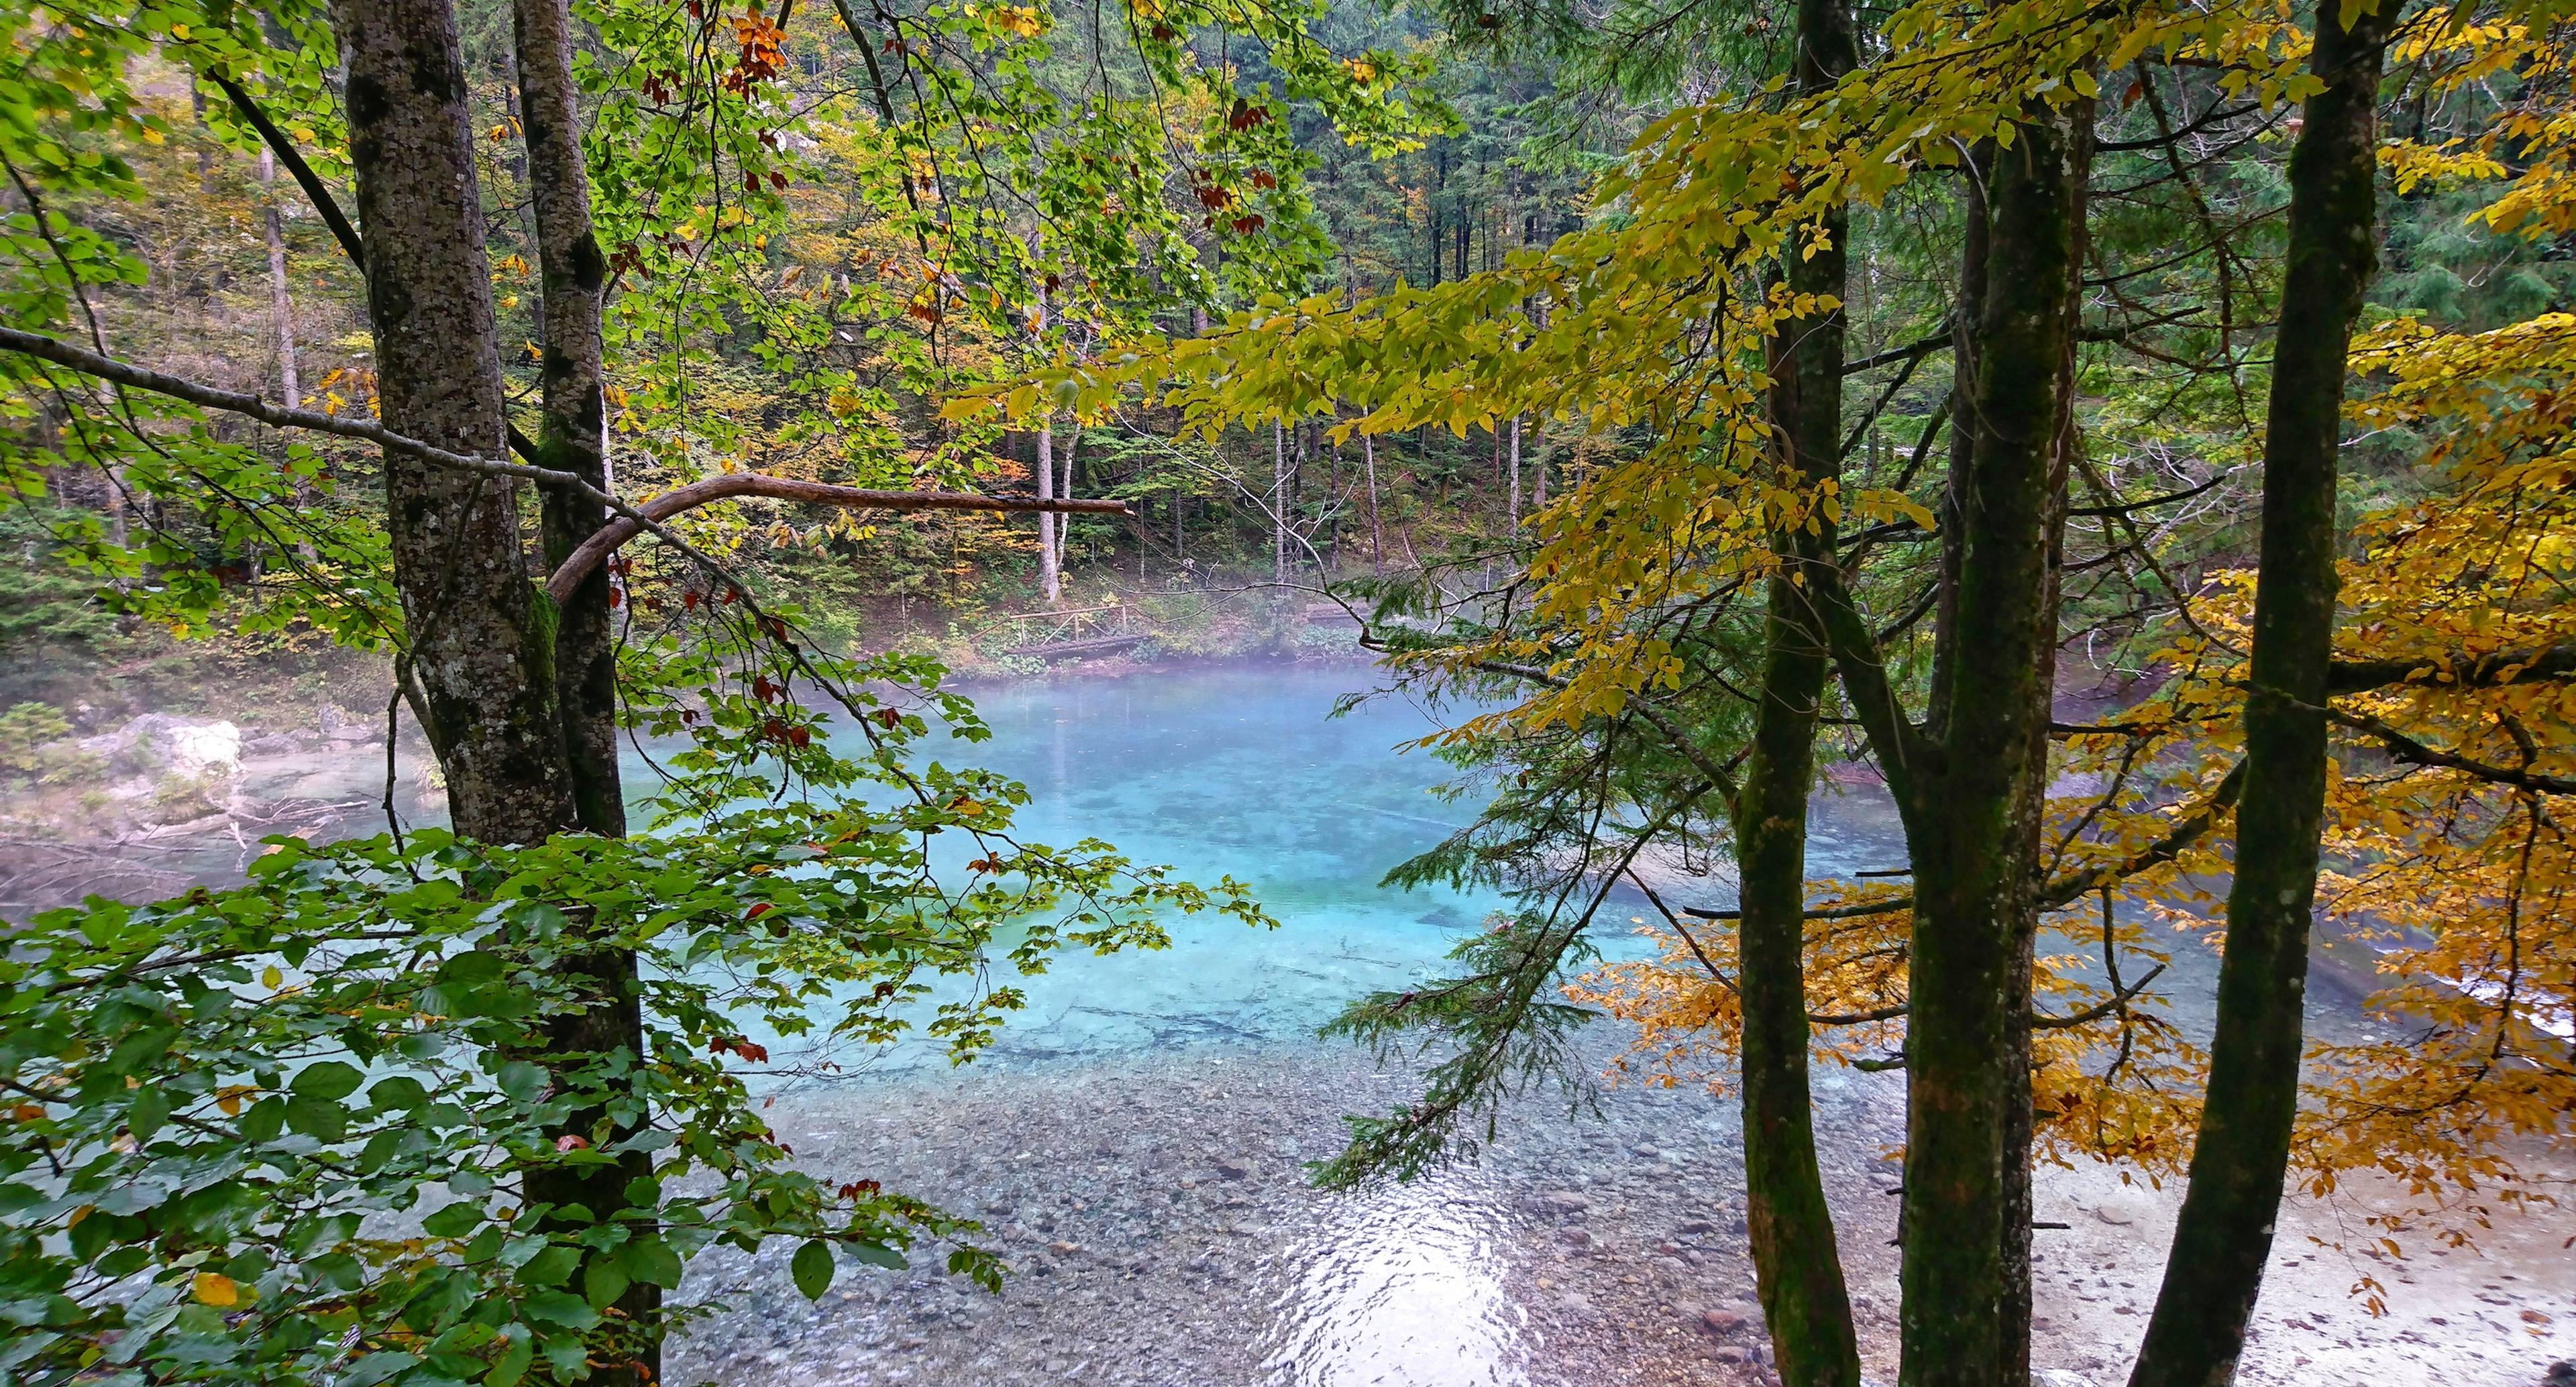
x: 1238, y: 771
x: 1243, y: 771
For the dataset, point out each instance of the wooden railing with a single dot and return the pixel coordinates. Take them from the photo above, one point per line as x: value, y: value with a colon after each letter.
x: 1041, y: 632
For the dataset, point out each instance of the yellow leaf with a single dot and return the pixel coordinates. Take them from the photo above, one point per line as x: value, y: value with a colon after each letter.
x: 269, y: 977
x: 217, y: 1289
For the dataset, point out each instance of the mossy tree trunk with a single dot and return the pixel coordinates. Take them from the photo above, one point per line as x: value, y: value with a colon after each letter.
x: 574, y: 435
x: 519, y: 698
x: 1972, y: 801
x: 574, y: 439
x: 1971, y: 779
x: 481, y: 633
x: 1797, y: 1263
x: 2241, y: 1159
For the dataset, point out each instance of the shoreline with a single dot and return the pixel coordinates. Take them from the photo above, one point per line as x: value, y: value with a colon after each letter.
x: 1153, y: 1209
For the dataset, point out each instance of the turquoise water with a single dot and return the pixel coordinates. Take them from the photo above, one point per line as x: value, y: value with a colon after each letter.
x: 1245, y: 771
x: 1239, y: 771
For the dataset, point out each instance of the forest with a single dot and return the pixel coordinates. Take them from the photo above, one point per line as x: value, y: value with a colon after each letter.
x: 2129, y: 437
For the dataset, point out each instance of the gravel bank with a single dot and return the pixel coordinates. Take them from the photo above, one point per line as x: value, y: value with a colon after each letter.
x: 1161, y: 1234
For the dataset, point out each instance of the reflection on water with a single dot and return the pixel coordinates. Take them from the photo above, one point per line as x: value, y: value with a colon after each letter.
x: 1398, y: 1289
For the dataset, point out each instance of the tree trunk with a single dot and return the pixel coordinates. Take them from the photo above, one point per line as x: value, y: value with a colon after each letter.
x: 281, y: 312
x: 573, y: 438
x: 1515, y: 498
x: 1050, y: 576
x: 1333, y: 511
x: 205, y: 147
x: 1064, y: 491
x: 2240, y: 1161
x: 1278, y: 503
x: 1797, y: 1263
x: 481, y: 633
x: 574, y: 435
x: 281, y: 303
x: 1972, y: 822
x: 517, y: 162
x: 1377, y: 531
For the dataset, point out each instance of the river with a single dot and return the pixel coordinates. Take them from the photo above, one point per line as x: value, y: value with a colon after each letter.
x: 1135, y: 1145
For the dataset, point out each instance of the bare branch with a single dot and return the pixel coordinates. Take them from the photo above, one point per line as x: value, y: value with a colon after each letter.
x: 633, y: 521
x: 2405, y: 748
x: 319, y: 195
x: 579, y: 564
x: 2119, y: 998
x: 2182, y: 835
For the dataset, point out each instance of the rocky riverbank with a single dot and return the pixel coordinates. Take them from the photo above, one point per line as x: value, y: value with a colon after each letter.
x: 1161, y: 1233
x: 163, y: 801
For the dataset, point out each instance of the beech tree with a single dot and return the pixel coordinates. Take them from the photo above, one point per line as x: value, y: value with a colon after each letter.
x: 521, y: 1034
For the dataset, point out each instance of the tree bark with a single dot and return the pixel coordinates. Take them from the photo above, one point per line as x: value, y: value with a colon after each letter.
x: 574, y: 438
x: 1972, y: 790
x: 1377, y: 530
x: 1050, y: 569
x: 281, y: 312
x: 1797, y: 1263
x: 281, y: 302
x: 574, y: 434
x: 1050, y: 573
x: 1333, y: 511
x: 2240, y: 1161
x: 518, y: 166
x: 482, y: 638
x: 1064, y: 492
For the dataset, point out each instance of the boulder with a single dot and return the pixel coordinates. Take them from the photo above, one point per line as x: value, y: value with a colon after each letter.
x: 167, y: 744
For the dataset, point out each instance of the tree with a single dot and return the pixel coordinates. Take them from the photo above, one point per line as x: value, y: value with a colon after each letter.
x: 541, y: 973
x: 1620, y: 639
x: 2240, y: 1159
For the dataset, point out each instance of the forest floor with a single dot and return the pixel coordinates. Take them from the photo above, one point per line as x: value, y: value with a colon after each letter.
x: 1161, y: 1233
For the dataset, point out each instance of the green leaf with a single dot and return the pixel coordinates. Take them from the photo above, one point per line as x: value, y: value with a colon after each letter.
x: 375, y: 1368
x: 454, y: 1221
x: 513, y: 1363
x: 522, y: 1081
x: 551, y: 1267
x: 322, y: 1121
x: 470, y: 969
x: 813, y: 1269
x: 265, y: 1120
x: 878, y: 1255
x: 555, y: 1307
x: 151, y: 1109
x: 327, y: 1080
x: 401, y: 1093
x: 602, y: 1282
x: 651, y: 1259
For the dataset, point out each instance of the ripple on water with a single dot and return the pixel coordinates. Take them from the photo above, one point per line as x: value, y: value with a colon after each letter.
x: 1398, y: 1287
